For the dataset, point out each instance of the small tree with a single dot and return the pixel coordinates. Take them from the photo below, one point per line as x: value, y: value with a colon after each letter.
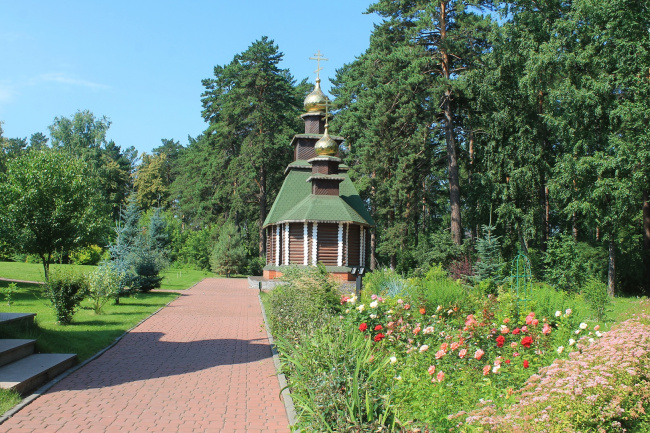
x: 121, y: 250
x: 229, y: 254
x: 103, y: 284
x: 49, y: 201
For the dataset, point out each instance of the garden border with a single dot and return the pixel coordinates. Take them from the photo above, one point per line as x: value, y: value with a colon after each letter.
x: 43, y: 389
x: 284, y: 387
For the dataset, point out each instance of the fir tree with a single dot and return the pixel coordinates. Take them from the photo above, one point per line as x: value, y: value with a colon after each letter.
x: 489, y: 251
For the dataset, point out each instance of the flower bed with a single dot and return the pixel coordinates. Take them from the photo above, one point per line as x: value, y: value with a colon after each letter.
x: 400, y: 363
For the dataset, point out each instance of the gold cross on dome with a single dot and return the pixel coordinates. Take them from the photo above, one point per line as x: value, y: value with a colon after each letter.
x: 318, y: 57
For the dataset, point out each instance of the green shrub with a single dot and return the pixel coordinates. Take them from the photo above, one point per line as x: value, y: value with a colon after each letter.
x: 9, y: 293
x: 337, y: 381
x: 385, y: 282
x: 308, y: 296
x: 595, y: 294
x: 103, y: 284
x: 90, y: 255
x: 569, y: 264
x: 437, y: 290
x: 66, y: 290
x: 255, y: 266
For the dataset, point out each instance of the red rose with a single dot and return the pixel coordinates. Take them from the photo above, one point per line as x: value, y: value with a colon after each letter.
x: 378, y: 328
x: 379, y: 336
x: 525, y: 363
x: 507, y: 361
x: 526, y: 342
x: 516, y: 331
x: 500, y: 340
x: 363, y: 327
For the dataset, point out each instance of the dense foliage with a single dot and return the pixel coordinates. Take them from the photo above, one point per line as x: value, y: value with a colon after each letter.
x: 430, y: 354
x: 528, y: 117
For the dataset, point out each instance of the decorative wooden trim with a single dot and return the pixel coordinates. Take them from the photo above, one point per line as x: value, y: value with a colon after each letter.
x: 286, y: 244
x: 363, y: 246
x: 306, y: 243
x: 277, y: 245
x: 347, y: 245
x: 339, y: 260
x: 314, y: 244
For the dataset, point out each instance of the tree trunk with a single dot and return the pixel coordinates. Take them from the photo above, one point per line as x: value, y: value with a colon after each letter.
x: 646, y: 238
x: 262, y: 244
x: 46, y: 265
x: 611, y: 270
x: 373, y: 245
x: 452, y: 158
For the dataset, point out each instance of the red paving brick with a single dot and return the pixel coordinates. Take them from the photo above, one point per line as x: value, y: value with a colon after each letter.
x: 202, y: 364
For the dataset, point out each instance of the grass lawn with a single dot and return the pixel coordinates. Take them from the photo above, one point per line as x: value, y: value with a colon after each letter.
x: 181, y: 279
x: 33, y: 271
x: 175, y: 279
x: 88, y: 334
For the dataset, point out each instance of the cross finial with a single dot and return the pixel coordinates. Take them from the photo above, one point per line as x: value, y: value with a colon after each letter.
x: 318, y: 57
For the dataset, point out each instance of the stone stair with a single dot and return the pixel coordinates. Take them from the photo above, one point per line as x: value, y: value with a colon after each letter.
x: 20, y: 368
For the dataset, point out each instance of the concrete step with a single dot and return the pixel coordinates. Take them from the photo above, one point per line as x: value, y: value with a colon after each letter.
x: 17, y: 318
x: 27, y: 374
x: 14, y: 349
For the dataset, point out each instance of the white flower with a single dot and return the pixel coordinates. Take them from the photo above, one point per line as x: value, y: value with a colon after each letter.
x: 496, y: 368
x: 577, y: 331
x: 558, y: 313
x: 583, y: 325
x: 571, y: 342
x: 439, y: 308
x: 591, y: 340
x: 568, y: 311
x: 393, y: 360
x: 399, y: 301
x: 599, y: 334
x: 373, y: 316
x: 560, y: 349
x: 361, y: 307
x: 347, y: 311
x: 450, y: 311
x: 424, y: 348
x: 374, y: 304
x: 389, y: 312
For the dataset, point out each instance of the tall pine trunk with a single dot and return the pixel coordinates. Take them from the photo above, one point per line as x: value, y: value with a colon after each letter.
x: 646, y: 238
x: 611, y: 269
x: 452, y: 158
x: 262, y: 200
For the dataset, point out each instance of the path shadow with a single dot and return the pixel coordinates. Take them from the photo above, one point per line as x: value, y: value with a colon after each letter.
x: 142, y: 356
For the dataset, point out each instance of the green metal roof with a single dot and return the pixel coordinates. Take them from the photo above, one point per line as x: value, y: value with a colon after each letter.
x: 295, y: 202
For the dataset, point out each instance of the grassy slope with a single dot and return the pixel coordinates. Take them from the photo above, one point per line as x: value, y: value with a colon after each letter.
x: 175, y: 279
x: 89, y: 333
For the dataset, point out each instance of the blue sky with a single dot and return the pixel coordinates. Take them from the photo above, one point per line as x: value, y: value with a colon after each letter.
x: 140, y: 63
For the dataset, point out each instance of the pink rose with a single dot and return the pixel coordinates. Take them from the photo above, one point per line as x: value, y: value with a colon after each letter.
x: 444, y: 347
x: 454, y: 346
x: 440, y: 354
x: 462, y: 353
x: 440, y: 376
x: 546, y: 329
x: 478, y: 354
x: 486, y: 370
x: 432, y: 369
x: 535, y: 322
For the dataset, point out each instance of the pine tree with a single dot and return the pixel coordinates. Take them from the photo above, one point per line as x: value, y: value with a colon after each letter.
x: 229, y: 254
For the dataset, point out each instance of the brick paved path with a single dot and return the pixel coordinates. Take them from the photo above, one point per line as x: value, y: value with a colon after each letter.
x: 202, y: 364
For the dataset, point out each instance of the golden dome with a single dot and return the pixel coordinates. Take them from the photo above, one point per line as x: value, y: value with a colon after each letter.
x: 326, y: 146
x: 316, y: 100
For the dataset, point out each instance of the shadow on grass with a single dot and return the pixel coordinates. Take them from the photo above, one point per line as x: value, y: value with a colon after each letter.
x: 144, y: 355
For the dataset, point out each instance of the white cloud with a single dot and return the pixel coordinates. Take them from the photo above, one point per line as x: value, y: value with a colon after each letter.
x: 58, y: 77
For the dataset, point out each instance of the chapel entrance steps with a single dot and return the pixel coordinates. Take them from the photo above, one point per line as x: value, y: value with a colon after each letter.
x: 20, y: 368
